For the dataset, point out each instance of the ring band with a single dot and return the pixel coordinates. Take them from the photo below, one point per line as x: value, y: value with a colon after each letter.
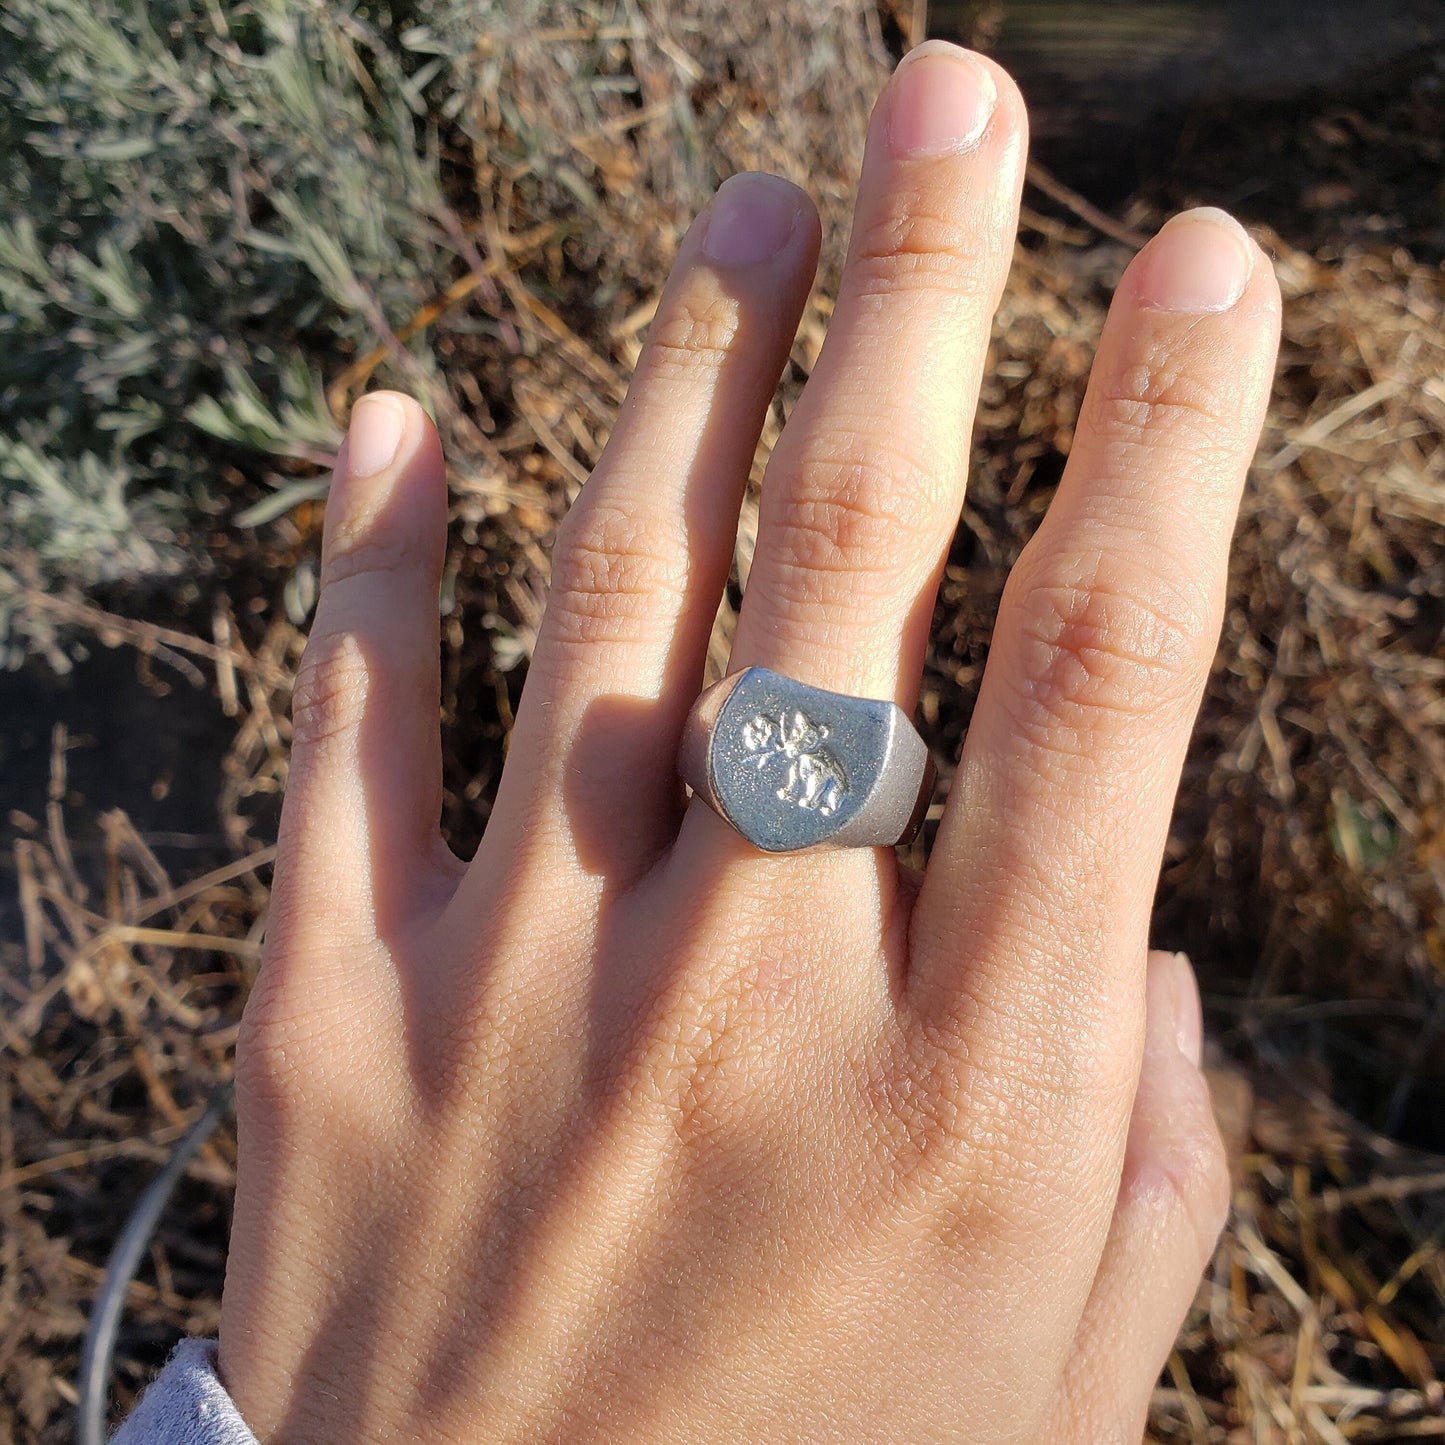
x: 792, y: 766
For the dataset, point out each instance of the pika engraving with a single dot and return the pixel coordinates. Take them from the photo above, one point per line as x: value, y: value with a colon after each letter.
x: 815, y: 778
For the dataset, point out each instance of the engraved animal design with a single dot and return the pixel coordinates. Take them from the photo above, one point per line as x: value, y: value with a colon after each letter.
x: 815, y: 777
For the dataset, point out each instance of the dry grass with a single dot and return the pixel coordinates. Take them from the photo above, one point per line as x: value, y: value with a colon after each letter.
x: 1306, y: 869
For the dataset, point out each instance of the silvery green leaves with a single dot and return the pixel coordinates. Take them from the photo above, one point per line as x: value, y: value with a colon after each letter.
x: 197, y: 198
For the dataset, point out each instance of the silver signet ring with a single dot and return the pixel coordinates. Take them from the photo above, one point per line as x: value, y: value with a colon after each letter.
x: 792, y: 766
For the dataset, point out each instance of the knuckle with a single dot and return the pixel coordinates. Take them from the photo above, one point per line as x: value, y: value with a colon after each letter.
x: 1022, y: 1095
x: 855, y: 512
x: 1092, y: 651
x: 271, y: 1073
x: 710, y: 1056
x: 693, y: 338
x: 825, y: 546
x: 280, y: 1070
x: 914, y: 246
x: 369, y: 547
x: 701, y: 1092
x: 925, y: 1107
x: 611, y: 570
x: 1154, y: 398
x: 331, y: 690
x: 300, y: 1039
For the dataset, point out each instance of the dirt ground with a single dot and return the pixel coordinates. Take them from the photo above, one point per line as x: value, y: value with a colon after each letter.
x: 1305, y: 870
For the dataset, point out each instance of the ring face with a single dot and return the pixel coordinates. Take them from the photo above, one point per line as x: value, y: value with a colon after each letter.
x: 792, y: 766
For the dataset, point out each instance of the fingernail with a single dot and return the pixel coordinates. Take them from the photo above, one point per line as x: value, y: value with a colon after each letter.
x: 1200, y: 261
x: 1173, y: 1019
x: 751, y: 218
x: 1188, y: 1012
x: 942, y: 100
x: 377, y: 424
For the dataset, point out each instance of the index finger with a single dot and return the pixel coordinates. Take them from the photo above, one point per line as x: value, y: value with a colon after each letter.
x: 1033, y: 918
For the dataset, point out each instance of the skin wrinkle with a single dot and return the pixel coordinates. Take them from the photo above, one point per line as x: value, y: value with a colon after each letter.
x: 1162, y: 393
x: 335, y: 690
x: 905, y: 479
x: 1153, y: 393
x: 990, y: 1097
x: 1114, y: 528
x: 1059, y: 915
x: 908, y: 250
x: 843, y: 538
x: 1184, y: 1177
x: 609, y: 567
x: 1096, y: 659
x: 362, y: 547
x: 697, y: 337
x: 1059, y: 923
x: 1174, y: 1164
x: 1108, y: 538
x: 821, y: 632
x: 277, y: 1050
x: 1028, y: 1086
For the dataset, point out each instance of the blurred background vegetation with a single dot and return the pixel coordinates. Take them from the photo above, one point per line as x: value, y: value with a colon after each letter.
x: 203, y: 203
x: 220, y: 220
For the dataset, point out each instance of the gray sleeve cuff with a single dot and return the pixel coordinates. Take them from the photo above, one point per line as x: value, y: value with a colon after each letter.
x: 186, y: 1405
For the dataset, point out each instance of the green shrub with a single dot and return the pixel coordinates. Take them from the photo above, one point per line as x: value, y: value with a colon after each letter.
x: 202, y: 203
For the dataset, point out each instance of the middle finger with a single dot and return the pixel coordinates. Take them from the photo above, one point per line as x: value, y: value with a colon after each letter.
x: 863, y: 491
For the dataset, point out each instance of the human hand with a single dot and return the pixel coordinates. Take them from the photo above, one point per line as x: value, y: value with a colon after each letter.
x: 627, y: 1131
